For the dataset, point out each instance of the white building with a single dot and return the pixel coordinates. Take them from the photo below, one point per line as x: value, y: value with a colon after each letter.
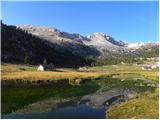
x: 154, y: 66
x: 40, y: 68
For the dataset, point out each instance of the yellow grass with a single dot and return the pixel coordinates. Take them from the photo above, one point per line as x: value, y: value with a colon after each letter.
x: 35, y: 75
x: 25, y: 72
x: 125, y: 69
x: 142, y: 106
x: 14, y: 72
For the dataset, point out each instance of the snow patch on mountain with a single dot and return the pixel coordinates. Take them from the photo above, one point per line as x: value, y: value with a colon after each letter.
x: 135, y: 45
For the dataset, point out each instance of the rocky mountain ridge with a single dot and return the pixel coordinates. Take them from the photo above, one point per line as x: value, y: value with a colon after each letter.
x: 97, y: 39
x: 61, y: 48
x: 100, y: 41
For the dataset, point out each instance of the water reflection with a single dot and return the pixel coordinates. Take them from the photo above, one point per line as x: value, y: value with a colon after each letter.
x: 72, y: 110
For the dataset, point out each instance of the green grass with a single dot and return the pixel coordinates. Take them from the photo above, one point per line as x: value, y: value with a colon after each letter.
x: 127, y: 69
x: 15, y: 97
x: 110, y: 83
x: 142, y: 106
x: 8, y: 68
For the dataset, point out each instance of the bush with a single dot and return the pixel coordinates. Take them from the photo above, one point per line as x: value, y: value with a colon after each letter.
x: 74, y: 81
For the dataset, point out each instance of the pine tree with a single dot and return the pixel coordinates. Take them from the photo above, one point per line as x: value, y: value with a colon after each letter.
x: 45, y: 62
x: 26, y: 59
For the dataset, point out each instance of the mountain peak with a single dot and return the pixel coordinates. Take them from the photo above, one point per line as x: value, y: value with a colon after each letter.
x: 99, y: 35
x: 31, y: 28
x: 103, y: 39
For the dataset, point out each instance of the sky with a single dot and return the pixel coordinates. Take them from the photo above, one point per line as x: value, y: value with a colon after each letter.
x: 132, y: 21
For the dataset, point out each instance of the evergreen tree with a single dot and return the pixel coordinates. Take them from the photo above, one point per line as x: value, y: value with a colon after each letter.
x: 26, y: 59
x: 45, y: 62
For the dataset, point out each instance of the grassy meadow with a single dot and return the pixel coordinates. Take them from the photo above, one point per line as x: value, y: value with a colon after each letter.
x: 24, y: 72
x: 19, y: 72
x: 127, y: 69
x: 142, y: 106
x: 23, y: 85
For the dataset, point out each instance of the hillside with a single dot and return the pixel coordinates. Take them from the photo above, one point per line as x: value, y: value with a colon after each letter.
x: 34, y: 44
x: 105, y: 44
x: 18, y: 45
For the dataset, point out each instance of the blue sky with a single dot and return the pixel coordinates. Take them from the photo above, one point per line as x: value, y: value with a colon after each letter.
x: 135, y: 21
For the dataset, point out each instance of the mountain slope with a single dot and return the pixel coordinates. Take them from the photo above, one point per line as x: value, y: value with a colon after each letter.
x: 17, y: 45
x: 103, y: 43
x: 53, y: 35
x: 38, y: 43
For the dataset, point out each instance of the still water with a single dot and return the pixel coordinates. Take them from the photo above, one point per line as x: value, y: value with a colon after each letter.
x: 81, y: 111
x: 70, y: 112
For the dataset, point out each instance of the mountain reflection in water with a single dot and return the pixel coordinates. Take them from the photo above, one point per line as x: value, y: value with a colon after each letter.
x: 81, y: 111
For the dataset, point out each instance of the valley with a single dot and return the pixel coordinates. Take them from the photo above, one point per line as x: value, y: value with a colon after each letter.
x: 27, y: 93
x: 79, y: 59
x: 92, y: 76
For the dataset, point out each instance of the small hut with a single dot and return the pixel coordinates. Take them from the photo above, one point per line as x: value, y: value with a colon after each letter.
x: 40, y: 68
x: 155, y: 66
